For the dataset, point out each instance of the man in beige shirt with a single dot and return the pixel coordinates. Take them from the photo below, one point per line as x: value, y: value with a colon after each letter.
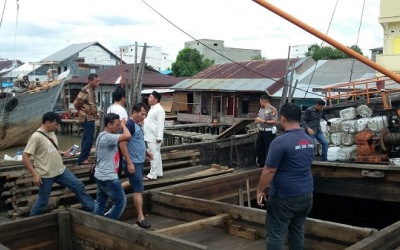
x: 85, y: 103
x: 48, y: 166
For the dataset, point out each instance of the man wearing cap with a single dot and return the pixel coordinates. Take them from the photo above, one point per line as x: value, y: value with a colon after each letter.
x: 154, y: 134
x: 266, y: 120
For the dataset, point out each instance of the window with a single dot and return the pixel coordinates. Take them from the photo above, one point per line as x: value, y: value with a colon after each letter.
x: 59, y: 70
x: 65, y: 68
x: 245, y: 105
x: 215, y: 44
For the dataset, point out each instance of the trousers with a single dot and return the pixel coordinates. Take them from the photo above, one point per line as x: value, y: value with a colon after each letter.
x: 156, y: 169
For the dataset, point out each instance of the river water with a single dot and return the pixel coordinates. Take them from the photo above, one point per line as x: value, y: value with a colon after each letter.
x: 64, y: 141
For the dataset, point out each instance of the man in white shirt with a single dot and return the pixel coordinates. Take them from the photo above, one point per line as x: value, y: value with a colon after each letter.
x: 154, y: 134
x: 119, y: 98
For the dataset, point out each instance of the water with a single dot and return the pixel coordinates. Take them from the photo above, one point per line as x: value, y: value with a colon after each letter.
x: 64, y: 142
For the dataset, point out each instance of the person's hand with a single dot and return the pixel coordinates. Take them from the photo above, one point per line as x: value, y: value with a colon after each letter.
x: 37, y: 181
x: 259, y: 195
x: 123, y: 122
x: 149, y: 155
x: 159, y: 141
x: 310, y: 131
x: 259, y: 120
x: 131, y: 168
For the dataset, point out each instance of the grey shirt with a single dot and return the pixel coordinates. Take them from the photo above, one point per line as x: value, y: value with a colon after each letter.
x: 107, y: 156
x: 268, y: 113
x: 311, y: 118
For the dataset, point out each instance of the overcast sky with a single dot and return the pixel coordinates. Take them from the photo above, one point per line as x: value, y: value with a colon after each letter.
x: 46, y: 26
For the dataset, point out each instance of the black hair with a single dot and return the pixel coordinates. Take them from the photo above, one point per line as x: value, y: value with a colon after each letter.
x: 51, y: 117
x: 118, y: 94
x: 156, y: 95
x: 291, y: 112
x: 320, y: 102
x: 138, y: 107
x: 92, y: 76
x: 110, y: 118
x: 265, y: 97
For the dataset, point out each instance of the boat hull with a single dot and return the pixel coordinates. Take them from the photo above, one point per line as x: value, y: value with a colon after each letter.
x: 18, y: 124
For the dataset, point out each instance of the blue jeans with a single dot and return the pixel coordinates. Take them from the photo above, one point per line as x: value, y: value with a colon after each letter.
x: 110, y: 189
x: 87, y: 140
x: 68, y: 180
x: 287, y: 216
x: 321, y: 139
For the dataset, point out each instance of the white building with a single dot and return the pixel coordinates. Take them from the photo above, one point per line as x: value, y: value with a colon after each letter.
x: 235, y: 54
x: 298, y: 51
x: 155, y: 57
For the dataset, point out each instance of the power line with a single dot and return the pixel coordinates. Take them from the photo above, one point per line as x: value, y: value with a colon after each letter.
x: 2, y: 14
x: 205, y: 45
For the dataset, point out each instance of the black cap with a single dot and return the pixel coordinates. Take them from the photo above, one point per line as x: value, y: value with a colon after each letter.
x: 156, y: 95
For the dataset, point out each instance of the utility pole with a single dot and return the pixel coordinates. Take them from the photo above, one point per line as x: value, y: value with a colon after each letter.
x: 285, y: 82
x: 140, y: 74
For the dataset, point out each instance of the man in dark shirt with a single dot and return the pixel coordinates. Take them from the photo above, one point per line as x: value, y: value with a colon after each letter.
x: 288, y: 172
x: 311, y: 122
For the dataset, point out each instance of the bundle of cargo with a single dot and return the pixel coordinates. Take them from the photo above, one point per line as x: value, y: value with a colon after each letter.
x: 348, y: 114
x: 364, y: 111
x: 347, y: 153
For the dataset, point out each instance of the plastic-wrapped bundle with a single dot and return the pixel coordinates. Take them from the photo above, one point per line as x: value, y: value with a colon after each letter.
x: 328, y: 137
x: 364, y: 111
x: 336, y: 138
x: 333, y: 153
x: 376, y: 124
x: 347, y: 139
x: 348, y: 114
x: 347, y: 153
x: 324, y: 126
x: 336, y: 125
x: 361, y: 124
x: 349, y: 126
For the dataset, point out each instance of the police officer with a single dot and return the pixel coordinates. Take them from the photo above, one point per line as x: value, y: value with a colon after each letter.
x: 266, y: 122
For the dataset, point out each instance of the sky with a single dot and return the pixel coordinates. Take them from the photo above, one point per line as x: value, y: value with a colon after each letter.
x: 44, y: 27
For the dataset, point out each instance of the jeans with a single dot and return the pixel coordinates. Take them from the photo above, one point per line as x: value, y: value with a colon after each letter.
x: 110, y: 189
x: 264, y: 139
x: 87, y: 140
x: 287, y: 216
x: 321, y: 139
x: 68, y: 180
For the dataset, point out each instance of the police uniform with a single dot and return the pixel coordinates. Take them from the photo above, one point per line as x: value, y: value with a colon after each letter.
x: 266, y: 134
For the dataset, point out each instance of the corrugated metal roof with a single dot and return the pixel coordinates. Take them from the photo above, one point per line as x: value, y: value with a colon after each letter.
x: 24, y: 69
x: 67, y: 52
x: 335, y: 71
x: 151, y: 77
x: 225, y: 85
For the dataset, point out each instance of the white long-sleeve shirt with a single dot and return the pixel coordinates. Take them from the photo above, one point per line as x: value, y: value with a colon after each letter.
x: 154, y: 124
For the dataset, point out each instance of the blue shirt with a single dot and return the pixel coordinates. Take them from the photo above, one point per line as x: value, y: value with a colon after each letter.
x: 136, y: 145
x: 291, y: 154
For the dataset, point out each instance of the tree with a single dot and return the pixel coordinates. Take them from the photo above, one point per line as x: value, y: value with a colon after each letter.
x: 189, y: 62
x: 329, y: 53
x: 258, y: 57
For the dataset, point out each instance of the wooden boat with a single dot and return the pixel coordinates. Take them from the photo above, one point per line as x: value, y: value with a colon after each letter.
x: 21, y: 113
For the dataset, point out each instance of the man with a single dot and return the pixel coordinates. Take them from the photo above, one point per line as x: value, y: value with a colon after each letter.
x: 85, y: 104
x: 48, y: 166
x: 108, y: 184
x: 311, y: 122
x: 288, y: 172
x: 154, y: 134
x: 119, y: 97
x: 267, y: 119
x: 134, y: 152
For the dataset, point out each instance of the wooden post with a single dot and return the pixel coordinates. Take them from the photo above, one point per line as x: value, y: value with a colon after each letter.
x: 241, y: 202
x: 139, y: 79
x: 248, y: 193
x: 285, y: 82
x: 65, y: 231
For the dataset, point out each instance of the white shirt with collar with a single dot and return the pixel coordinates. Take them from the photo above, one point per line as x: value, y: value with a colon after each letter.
x: 154, y: 124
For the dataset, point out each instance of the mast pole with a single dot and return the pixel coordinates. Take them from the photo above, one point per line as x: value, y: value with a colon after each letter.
x: 329, y: 40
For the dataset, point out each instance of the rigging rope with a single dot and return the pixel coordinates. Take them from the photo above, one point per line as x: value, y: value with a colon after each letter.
x: 15, y: 34
x: 208, y: 47
x: 2, y: 14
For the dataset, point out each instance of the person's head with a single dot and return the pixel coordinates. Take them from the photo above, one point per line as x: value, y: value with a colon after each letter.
x: 139, y: 112
x: 93, y: 80
x: 154, y: 98
x: 119, y: 95
x: 50, y: 121
x: 112, y: 123
x: 264, y: 100
x: 320, y: 105
x: 290, y: 116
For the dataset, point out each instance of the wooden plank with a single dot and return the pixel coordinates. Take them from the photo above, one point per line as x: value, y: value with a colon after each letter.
x: 387, y: 238
x: 196, y: 225
x: 246, y: 233
x: 64, y: 230
x: 2, y: 247
x: 129, y: 233
x: 235, y: 128
x: 343, y: 165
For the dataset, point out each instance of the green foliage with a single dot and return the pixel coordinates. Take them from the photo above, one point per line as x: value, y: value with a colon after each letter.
x: 258, y: 57
x: 329, y: 53
x: 189, y: 62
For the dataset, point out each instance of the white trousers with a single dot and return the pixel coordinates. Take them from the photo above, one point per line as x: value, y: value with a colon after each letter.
x: 156, y: 169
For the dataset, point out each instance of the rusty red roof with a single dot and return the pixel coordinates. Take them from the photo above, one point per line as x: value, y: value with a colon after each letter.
x: 151, y: 77
x: 273, y: 68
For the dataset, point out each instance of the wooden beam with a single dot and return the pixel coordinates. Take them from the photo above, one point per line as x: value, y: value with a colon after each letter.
x: 245, y: 233
x: 196, y: 225
x: 64, y: 230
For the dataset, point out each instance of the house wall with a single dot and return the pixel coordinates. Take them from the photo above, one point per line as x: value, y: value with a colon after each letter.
x: 154, y: 56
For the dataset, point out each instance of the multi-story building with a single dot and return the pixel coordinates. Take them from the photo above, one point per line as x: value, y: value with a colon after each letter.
x: 155, y: 57
x: 207, y: 47
x: 298, y: 51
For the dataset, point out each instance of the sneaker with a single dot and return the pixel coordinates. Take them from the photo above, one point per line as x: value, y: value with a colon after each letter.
x: 143, y: 224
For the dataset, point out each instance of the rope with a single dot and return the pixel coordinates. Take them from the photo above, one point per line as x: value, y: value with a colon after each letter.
x: 237, y: 163
x: 249, y: 69
x: 2, y: 14
x: 15, y: 35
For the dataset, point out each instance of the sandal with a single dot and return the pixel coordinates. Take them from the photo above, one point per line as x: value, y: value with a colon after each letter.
x: 143, y: 224
x: 148, y: 179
